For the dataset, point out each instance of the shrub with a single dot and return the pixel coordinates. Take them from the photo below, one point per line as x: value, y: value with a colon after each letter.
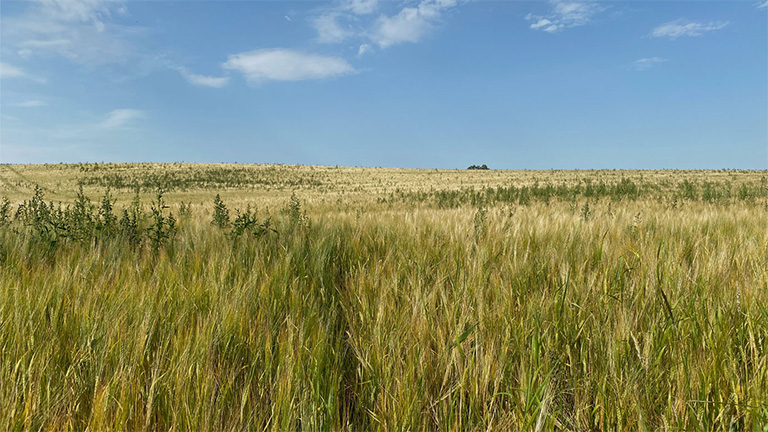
x: 107, y: 223
x: 39, y: 216
x: 293, y: 210
x: 162, y: 227
x: 131, y: 221
x: 5, y: 212
x: 81, y: 223
x: 248, y: 222
x: 689, y: 190
x: 220, y: 213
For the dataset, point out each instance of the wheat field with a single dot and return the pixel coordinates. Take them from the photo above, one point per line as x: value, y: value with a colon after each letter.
x: 269, y: 297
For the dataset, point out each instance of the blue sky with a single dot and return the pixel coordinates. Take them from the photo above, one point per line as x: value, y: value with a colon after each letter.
x: 430, y: 83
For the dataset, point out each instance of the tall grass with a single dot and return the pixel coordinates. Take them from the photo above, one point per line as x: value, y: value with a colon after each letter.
x: 593, y: 314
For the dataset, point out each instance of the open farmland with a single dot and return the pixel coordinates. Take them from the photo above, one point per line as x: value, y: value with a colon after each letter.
x: 333, y: 298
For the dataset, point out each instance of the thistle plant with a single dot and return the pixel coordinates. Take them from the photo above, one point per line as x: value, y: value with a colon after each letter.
x: 131, y: 220
x: 107, y: 222
x: 220, y: 213
x: 81, y: 218
x: 5, y: 211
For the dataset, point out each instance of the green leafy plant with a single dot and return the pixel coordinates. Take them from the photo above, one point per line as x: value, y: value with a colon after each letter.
x: 185, y: 210
x: 247, y: 222
x: 5, y: 212
x: 220, y: 213
x: 479, y: 223
x: 296, y: 217
x: 130, y: 222
x: 161, y: 227
x: 586, y: 212
x: 107, y: 222
x: 81, y: 218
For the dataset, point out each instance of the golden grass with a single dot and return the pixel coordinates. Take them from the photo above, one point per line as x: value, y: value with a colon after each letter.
x: 387, y: 309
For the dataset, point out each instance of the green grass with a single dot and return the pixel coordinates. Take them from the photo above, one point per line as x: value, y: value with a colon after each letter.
x: 642, y: 312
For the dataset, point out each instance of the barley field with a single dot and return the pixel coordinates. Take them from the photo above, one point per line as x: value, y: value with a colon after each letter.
x: 268, y: 297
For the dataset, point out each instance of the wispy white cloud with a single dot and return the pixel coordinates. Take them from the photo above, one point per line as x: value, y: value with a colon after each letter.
x: 339, y: 22
x: 82, y: 31
x: 280, y: 64
x: 679, y: 28
x: 361, y: 7
x: 646, y: 63
x: 121, y: 118
x: 28, y: 47
x: 77, y: 137
x: 32, y: 103
x: 364, y: 48
x: 87, y: 32
x: 202, y: 80
x: 80, y: 136
x: 9, y: 71
x: 329, y: 30
x: 77, y: 10
x: 410, y: 24
x: 763, y: 5
x: 565, y: 14
x: 347, y: 20
x: 545, y: 25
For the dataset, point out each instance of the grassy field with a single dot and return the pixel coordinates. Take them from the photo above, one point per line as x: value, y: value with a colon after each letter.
x: 332, y: 298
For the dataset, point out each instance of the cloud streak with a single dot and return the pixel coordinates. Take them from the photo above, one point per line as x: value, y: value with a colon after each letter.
x: 565, y: 14
x: 121, y: 118
x: 92, y: 11
x: 279, y: 64
x: 32, y: 104
x: 681, y: 28
x: 350, y: 20
x: 9, y: 71
x: 646, y: 63
x: 361, y: 7
x: 202, y: 80
x: 80, y: 30
x: 329, y: 30
x: 410, y: 24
